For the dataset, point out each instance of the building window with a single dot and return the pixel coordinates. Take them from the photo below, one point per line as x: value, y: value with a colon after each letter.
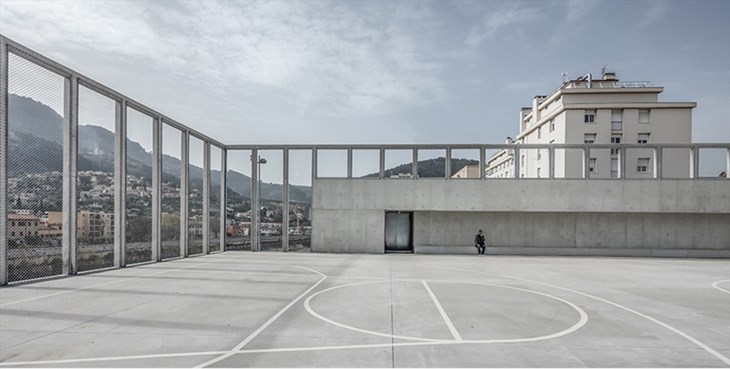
x: 617, y: 119
x: 643, y: 116
x: 12, y: 234
x: 539, y: 133
x: 552, y: 125
x: 615, y: 139
x: 589, y: 138
x: 592, y: 165
x: 643, y: 165
x: 643, y: 138
x: 589, y: 116
x: 614, y: 168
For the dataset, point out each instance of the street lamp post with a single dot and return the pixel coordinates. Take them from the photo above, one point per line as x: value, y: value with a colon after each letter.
x: 259, y: 202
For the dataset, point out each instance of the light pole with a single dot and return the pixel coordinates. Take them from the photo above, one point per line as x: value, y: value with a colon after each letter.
x: 259, y: 202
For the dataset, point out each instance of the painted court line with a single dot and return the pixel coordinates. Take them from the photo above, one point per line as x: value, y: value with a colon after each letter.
x: 441, y: 310
x: 709, y: 349
x: 716, y: 285
x: 266, y: 324
x: 582, y: 321
x: 96, y: 285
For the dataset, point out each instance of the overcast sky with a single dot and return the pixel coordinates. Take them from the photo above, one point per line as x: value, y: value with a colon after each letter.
x: 379, y: 71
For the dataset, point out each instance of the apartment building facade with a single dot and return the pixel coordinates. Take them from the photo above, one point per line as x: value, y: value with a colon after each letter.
x: 605, y: 111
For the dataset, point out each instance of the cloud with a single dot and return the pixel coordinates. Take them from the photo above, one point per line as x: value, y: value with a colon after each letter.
x: 499, y: 16
x: 360, y: 58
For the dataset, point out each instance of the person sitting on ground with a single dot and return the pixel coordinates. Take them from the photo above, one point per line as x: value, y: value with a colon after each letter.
x: 479, y: 242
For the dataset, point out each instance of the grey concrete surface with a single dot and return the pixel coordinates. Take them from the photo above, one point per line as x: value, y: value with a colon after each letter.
x: 534, y: 195
x: 668, y: 218
x: 242, y: 309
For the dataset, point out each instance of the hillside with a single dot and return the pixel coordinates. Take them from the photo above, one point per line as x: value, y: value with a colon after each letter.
x: 35, y: 145
x: 428, y: 168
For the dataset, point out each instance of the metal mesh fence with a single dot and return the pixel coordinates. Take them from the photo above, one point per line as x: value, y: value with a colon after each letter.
x: 300, y: 201
x: 195, y: 197
x: 214, y: 228
x: 95, y: 181
x: 270, y: 212
x: 238, y: 200
x: 138, y: 192
x: 170, y: 192
x: 35, y: 170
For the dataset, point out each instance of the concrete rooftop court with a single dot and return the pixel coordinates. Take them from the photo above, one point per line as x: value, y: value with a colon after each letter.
x: 242, y: 309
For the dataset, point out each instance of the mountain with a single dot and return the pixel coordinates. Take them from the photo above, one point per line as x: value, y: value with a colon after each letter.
x: 429, y: 168
x: 35, y: 145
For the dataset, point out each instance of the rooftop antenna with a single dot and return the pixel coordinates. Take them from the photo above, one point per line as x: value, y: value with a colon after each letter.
x: 565, y: 77
x: 603, y: 70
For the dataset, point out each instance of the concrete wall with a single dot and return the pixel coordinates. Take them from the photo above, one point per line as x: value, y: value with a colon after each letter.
x: 537, y: 216
x: 615, y: 234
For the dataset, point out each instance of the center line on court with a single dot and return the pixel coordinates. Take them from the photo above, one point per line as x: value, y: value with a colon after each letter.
x: 448, y: 322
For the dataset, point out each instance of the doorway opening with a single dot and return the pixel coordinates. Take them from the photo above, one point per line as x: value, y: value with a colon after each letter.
x: 399, y: 231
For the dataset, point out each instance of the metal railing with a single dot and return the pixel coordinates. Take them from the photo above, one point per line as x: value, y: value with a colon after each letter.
x: 62, y: 253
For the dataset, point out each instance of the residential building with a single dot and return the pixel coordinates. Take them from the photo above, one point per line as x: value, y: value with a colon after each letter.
x: 468, y: 171
x: 601, y: 112
x: 94, y: 226
x: 23, y: 225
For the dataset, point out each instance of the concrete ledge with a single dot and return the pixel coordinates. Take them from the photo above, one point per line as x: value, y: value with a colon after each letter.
x: 574, y: 251
x: 453, y: 250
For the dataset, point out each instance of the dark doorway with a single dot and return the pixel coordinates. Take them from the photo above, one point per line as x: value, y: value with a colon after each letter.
x: 398, y: 231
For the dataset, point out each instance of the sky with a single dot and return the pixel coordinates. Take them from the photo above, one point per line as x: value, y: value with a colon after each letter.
x: 373, y: 72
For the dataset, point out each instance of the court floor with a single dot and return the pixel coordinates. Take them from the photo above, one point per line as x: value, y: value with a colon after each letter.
x: 242, y: 309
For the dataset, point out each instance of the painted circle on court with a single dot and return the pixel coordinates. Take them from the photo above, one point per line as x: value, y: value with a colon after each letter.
x: 481, y: 312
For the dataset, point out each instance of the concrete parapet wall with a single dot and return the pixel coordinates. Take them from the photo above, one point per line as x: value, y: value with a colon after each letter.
x: 533, y: 195
x: 680, y: 218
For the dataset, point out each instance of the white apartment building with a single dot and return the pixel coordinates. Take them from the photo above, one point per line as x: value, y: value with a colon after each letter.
x: 602, y: 112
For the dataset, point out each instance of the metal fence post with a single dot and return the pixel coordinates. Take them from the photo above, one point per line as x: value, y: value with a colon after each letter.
x: 551, y: 162
x: 3, y: 162
x: 120, y: 185
x: 156, y: 188
x: 349, y: 163
x: 382, y: 163
x: 482, y: 162
x: 414, y: 164
x: 223, y: 198
x: 184, y: 172
x: 447, y: 167
x: 517, y: 159
x: 70, y: 152
x: 285, y: 203
x: 694, y: 162
x: 586, y: 162
x: 657, y: 162
x: 622, y: 162
x: 206, y: 197
x: 255, y: 201
x: 727, y: 163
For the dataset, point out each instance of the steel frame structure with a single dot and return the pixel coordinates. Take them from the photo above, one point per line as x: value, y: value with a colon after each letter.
x: 70, y: 153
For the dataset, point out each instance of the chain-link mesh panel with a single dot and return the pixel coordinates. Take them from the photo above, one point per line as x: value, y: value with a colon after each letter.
x: 95, y: 181
x: 270, y: 212
x: 238, y: 200
x: 300, y: 200
x: 195, y: 197
x: 35, y: 170
x: 215, y: 196
x: 171, y: 172
x: 138, y: 229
